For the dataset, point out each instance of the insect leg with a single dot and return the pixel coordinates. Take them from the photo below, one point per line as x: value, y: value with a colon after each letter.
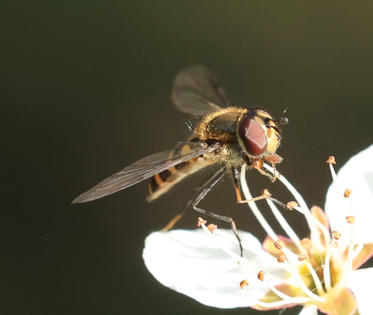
x: 199, y: 193
x: 275, y: 173
x: 258, y: 165
x: 202, y: 192
x: 274, y: 159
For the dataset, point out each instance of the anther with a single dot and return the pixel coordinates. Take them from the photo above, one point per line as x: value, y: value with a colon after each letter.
x: 347, y: 193
x: 244, y: 283
x: 350, y: 219
x: 277, y: 245
x: 200, y: 222
x: 281, y: 258
x: 336, y: 235
x: 331, y: 160
x: 291, y: 205
x: 335, y: 244
x: 212, y: 227
x: 302, y: 257
x: 261, y: 274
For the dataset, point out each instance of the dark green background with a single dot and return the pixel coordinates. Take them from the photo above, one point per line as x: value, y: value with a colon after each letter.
x: 85, y: 91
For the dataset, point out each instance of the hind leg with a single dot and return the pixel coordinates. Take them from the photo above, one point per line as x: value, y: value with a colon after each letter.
x: 198, y: 196
x: 202, y: 189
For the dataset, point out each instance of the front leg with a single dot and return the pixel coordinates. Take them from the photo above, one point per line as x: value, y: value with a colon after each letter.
x: 258, y: 165
x: 274, y: 159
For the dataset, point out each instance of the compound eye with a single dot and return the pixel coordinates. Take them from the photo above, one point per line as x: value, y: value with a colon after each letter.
x: 252, y: 136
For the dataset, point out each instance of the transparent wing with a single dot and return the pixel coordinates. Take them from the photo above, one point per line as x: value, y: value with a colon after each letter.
x: 197, y: 91
x: 145, y: 168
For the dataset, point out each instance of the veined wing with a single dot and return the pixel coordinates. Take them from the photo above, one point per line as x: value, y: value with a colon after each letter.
x: 145, y: 168
x: 197, y: 91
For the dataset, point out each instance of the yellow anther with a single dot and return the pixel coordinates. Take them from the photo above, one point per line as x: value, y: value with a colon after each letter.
x: 261, y: 274
x: 331, y: 160
x: 244, y: 283
x: 212, y: 227
x: 336, y: 235
x: 291, y: 205
x: 302, y: 257
x: 350, y: 219
x: 347, y: 193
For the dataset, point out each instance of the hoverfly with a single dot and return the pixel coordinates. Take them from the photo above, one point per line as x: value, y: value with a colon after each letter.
x: 226, y: 135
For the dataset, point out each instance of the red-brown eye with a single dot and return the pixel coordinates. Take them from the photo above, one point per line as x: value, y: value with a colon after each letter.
x: 252, y: 136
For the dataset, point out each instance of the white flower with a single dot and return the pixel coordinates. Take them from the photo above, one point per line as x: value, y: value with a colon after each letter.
x: 319, y: 272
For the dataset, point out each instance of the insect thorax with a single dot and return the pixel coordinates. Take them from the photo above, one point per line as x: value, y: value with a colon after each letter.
x: 220, y: 125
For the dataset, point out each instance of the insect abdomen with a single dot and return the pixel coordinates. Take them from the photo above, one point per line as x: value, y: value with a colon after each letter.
x: 164, y: 181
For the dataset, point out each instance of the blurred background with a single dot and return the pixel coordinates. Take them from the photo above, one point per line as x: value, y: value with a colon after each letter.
x: 85, y: 90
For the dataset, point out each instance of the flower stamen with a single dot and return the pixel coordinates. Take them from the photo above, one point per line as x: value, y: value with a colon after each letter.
x: 336, y: 235
x: 277, y: 245
x: 306, y: 290
x: 290, y: 300
x: 347, y: 192
x: 200, y: 222
x: 326, y: 270
x: 284, y: 224
x: 212, y: 227
x: 243, y: 284
x: 331, y: 161
x: 291, y: 205
x: 262, y: 221
x: 286, y: 299
x: 302, y: 257
x: 261, y: 274
x: 350, y: 219
x: 302, y: 204
x: 315, y: 278
x: 315, y: 224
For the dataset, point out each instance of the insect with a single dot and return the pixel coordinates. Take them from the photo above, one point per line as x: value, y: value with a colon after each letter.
x: 226, y: 136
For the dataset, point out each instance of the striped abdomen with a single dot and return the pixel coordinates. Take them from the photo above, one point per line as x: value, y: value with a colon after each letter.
x: 162, y: 182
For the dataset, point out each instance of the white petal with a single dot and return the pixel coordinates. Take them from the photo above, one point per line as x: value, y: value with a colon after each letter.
x: 309, y: 310
x: 357, y: 175
x: 361, y: 282
x: 191, y: 262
